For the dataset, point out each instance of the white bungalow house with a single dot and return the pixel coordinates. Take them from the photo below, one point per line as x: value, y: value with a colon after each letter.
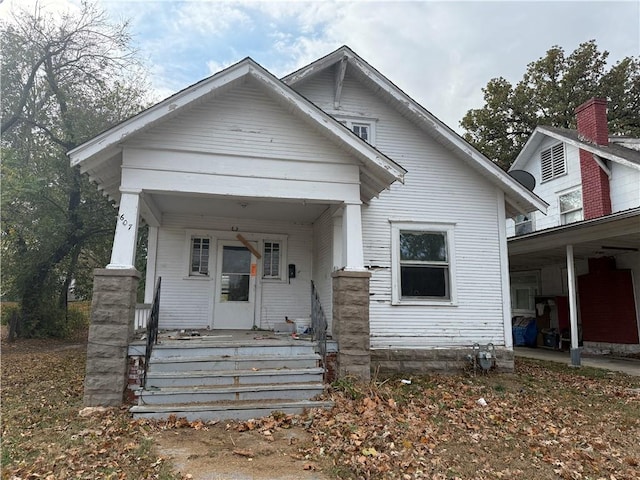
x: 253, y: 187
x: 577, y: 269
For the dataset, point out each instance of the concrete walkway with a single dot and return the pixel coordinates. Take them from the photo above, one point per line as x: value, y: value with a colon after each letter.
x: 629, y: 366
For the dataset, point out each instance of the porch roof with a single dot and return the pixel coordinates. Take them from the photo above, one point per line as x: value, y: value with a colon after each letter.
x: 101, y: 157
x: 604, y: 236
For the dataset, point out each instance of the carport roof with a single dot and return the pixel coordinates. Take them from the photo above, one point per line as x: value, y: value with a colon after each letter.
x: 604, y: 236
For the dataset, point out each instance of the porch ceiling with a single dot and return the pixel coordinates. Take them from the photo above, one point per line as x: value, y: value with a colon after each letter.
x: 613, y: 235
x: 238, y: 207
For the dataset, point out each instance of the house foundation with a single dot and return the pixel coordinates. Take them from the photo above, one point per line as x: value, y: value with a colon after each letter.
x: 111, y: 330
x: 351, y: 323
x: 434, y: 360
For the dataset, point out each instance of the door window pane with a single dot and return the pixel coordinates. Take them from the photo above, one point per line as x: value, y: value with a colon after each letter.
x: 234, y: 287
x: 236, y: 260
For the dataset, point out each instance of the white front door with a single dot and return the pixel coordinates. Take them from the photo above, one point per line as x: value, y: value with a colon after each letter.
x: 234, y: 304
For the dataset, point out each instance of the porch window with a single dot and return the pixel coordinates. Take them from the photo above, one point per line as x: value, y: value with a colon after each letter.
x: 524, y: 224
x: 274, y: 257
x: 423, y: 268
x: 200, y: 248
x: 570, y: 206
x: 271, y: 260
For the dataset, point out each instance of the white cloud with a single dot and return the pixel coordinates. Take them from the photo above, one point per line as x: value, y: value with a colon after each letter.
x: 441, y: 53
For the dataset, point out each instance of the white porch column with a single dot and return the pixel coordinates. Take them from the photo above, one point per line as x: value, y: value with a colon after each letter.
x: 573, y: 307
x: 123, y: 254
x: 352, y: 252
x: 150, y: 277
x: 338, y: 260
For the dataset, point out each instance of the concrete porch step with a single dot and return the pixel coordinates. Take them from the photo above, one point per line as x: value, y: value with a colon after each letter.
x: 208, y: 394
x: 185, y: 363
x: 199, y: 348
x: 226, y: 411
x: 233, y: 377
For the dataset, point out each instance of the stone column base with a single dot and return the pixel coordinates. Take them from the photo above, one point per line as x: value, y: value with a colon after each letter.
x: 110, y: 332
x: 351, y: 323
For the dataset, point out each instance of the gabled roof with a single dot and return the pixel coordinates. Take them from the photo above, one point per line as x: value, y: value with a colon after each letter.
x: 519, y: 199
x: 614, y: 151
x: 377, y: 170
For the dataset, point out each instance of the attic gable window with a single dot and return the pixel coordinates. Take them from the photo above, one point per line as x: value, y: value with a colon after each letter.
x: 552, y: 162
x: 362, y: 128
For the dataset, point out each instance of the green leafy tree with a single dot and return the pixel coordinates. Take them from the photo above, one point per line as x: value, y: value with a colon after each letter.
x: 550, y: 90
x: 64, y: 79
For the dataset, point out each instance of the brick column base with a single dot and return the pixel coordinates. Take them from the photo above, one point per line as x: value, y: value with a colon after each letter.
x: 351, y: 323
x: 111, y: 330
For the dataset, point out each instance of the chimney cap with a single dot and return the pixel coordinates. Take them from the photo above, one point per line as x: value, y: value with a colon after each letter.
x: 592, y: 101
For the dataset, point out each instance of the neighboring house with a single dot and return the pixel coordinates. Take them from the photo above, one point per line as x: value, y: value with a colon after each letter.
x: 591, y: 182
x: 253, y: 187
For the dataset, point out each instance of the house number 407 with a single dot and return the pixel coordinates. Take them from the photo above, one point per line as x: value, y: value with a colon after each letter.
x: 125, y: 222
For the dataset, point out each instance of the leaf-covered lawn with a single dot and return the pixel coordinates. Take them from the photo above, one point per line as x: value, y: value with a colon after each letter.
x: 545, y: 421
x: 43, y: 435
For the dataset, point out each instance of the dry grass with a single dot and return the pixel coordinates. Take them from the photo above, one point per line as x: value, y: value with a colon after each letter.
x: 543, y: 422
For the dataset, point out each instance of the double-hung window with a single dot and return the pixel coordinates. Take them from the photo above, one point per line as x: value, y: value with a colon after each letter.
x: 200, y: 249
x: 570, y: 204
x: 274, y: 253
x: 423, y: 269
x: 552, y: 162
x: 271, y: 260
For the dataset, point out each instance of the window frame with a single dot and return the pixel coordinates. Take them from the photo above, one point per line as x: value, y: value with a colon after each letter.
x: 527, y: 219
x: 282, y: 275
x: 557, y: 167
x: 447, y: 229
x: 351, y: 122
x: 193, y: 236
x: 516, y: 281
x: 562, y: 214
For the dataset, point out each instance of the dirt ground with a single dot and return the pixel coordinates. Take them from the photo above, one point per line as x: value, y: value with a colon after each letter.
x: 219, y: 453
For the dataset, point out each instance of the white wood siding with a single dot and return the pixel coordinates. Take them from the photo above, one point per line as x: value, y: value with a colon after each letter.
x: 188, y: 302
x: 245, y: 122
x: 438, y: 188
x: 241, y: 144
x: 625, y: 187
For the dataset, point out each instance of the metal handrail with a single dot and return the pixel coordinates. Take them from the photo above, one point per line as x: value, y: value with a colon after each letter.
x: 152, y: 330
x: 319, y: 325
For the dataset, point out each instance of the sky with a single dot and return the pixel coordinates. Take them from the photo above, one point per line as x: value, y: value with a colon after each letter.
x: 441, y: 53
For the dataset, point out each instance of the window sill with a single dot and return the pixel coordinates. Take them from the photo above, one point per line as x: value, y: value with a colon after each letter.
x: 199, y: 278
x: 273, y: 280
x: 430, y: 303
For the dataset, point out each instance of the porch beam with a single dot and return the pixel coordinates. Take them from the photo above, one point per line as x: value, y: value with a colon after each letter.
x: 150, y: 211
x: 352, y: 251
x: 573, y: 307
x: 123, y: 254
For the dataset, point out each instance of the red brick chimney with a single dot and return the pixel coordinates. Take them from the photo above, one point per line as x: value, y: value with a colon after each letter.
x: 591, y: 118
